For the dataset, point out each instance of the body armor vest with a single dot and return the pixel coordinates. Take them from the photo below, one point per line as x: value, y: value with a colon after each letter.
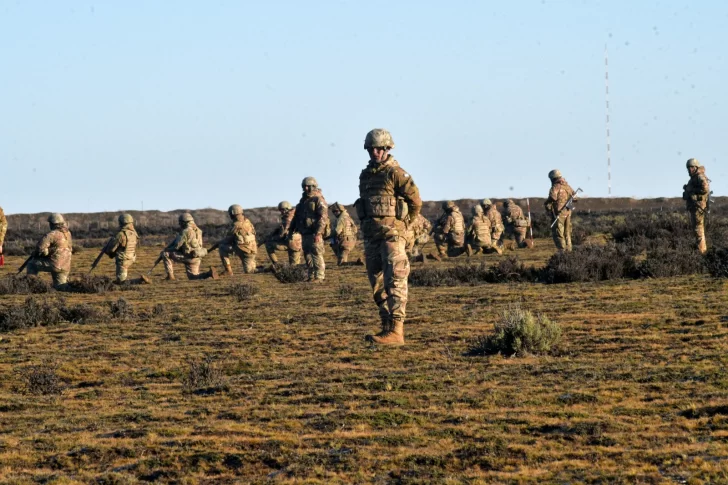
x: 377, y: 193
x: 481, y: 228
x: 458, y: 224
x: 131, y: 241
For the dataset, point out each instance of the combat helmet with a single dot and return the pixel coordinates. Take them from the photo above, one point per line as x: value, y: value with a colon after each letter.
x: 185, y: 218
x: 508, y: 203
x: 285, y: 205
x: 234, y: 210
x: 477, y: 209
x: 486, y: 203
x: 309, y: 181
x: 448, y: 205
x: 693, y: 162
x: 125, y: 219
x: 56, y: 219
x: 378, y: 137
x: 336, y: 207
x: 555, y: 174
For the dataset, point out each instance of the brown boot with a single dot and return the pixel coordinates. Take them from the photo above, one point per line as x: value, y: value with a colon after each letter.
x: 386, y: 328
x: 468, y: 250
x: 395, y: 336
x: 227, y: 271
x: 212, y: 273
x: 169, y: 277
x: 497, y: 249
x: 436, y: 257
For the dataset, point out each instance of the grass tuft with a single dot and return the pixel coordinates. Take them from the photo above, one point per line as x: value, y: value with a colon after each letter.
x: 518, y: 332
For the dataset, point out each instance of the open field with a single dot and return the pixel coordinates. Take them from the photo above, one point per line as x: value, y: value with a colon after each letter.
x: 636, y: 393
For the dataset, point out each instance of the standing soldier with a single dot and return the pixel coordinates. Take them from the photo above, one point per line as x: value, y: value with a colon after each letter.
x: 450, y: 232
x: 312, y: 221
x: 279, y: 239
x: 517, y: 222
x: 3, y: 229
x: 557, y: 206
x: 239, y: 240
x: 388, y: 203
x: 122, y: 247
x: 187, y: 249
x: 343, y: 237
x: 496, y: 224
x: 696, y: 194
x: 417, y: 236
x: 53, y: 252
x: 478, y: 233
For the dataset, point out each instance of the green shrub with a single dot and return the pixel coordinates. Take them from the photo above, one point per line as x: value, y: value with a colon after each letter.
x: 518, y: 332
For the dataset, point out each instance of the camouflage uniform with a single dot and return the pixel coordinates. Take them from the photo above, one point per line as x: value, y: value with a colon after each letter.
x: 417, y: 236
x: 53, y: 252
x: 478, y: 233
x: 122, y: 247
x: 559, y: 195
x: 3, y: 228
x: 239, y: 240
x: 312, y: 221
x: 696, y: 194
x: 344, y: 234
x: 279, y: 239
x: 386, y: 192
x: 186, y: 249
x: 496, y: 224
x: 450, y: 232
x: 517, y: 222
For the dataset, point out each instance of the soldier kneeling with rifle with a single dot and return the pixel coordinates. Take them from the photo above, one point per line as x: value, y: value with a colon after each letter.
x: 122, y: 247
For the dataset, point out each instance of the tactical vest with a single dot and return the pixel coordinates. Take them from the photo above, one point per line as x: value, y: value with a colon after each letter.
x: 458, y: 225
x: 131, y: 241
x: 481, y: 228
x: 64, y: 243
x: 244, y: 233
x: 193, y: 240
x: 376, y: 192
x: 349, y: 226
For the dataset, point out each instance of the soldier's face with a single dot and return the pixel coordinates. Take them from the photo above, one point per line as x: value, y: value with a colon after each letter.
x: 692, y: 170
x: 283, y: 212
x: 378, y: 154
x: 337, y: 213
x: 309, y: 188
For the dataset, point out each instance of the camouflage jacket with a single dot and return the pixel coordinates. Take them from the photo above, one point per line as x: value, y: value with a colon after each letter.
x: 479, y: 229
x: 124, y: 244
x: 312, y: 215
x: 344, y: 227
x: 495, y: 218
x: 697, y: 190
x: 187, y: 241
x: 514, y: 216
x: 559, y: 195
x: 383, y: 188
x: 3, y: 226
x: 57, y: 246
x: 421, y: 226
x: 281, y: 230
x: 242, y: 235
x: 451, y: 222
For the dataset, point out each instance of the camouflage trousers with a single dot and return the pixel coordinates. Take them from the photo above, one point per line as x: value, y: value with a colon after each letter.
x: 294, y: 256
x: 192, y: 265
x: 246, y: 259
x: 342, y: 248
x: 697, y: 223
x: 484, y: 246
x: 520, y: 235
x: 122, y: 268
x: 387, y: 269
x: 561, y: 232
x: 313, y: 252
x: 44, y: 265
x: 496, y: 233
x: 451, y: 247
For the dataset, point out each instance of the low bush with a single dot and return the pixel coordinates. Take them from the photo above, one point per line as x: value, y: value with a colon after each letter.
x: 24, y: 284
x: 663, y: 261
x: 40, y: 380
x: 518, y: 332
x: 203, y: 376
x: 287, y: 273
x: 82, y: 313
x: 506, y: 270
x: 121, y: 310
x: 243, y: 291
x: 716, y: 262
x: 589, y: 263
x: 34, y: 312
x: 90, y: 284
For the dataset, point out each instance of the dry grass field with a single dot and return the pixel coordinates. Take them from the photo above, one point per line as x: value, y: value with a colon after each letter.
x: 190, y: 384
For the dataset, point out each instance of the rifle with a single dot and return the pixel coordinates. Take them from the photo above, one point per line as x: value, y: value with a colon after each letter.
x: 101, y: 254
x: 530, y: 226
x: 214, y: 247
x: 569, y: 205
x: 161, y: 256
x: 22, y: 266
x: 707, y: 208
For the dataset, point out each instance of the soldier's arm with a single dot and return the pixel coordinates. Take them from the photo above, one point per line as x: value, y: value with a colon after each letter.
x: 405, y: 187
x: 113, y: 244
x: 322, y: 211
x: 703, y: 186
x: 44, y: 244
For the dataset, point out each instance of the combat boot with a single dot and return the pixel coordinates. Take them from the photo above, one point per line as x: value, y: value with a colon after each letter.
x: 169, y: 277
x: 386, y: 328
x: 468, y: 250
x: 212, y: 273
x: 227, y: 271
x: 702, y: 247
x: 497, y: 249
x: 436, y: 257
x: 395, y: 336
x: 273, y: 258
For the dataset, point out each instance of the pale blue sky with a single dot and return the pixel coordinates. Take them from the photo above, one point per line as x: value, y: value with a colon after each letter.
x: 187, y: 104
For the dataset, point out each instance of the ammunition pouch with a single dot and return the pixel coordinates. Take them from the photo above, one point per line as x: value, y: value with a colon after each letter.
x: 521, y: 223
x: 380, y: 206
x: 401, y: 209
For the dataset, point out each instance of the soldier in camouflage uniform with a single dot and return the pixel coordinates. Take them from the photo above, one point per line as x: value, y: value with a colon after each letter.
x: 312, y: 221
x: 417, y: 236
x: 450, y: 232
x: 496, y: 224
x: 517, y: 223
x: 187, y: 248
x: 239, y: 240
x: 279, y: 239
x: 388, y: 203
x: 343, y: 237
x: 478, y: 233
x: 3, y: 228
x: 53, y: 252
x: 696, y: 194
x: 556, y: 206
x: 122, y: 247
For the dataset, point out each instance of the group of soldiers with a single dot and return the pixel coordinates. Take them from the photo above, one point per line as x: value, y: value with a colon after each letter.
x: 393, y: 228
